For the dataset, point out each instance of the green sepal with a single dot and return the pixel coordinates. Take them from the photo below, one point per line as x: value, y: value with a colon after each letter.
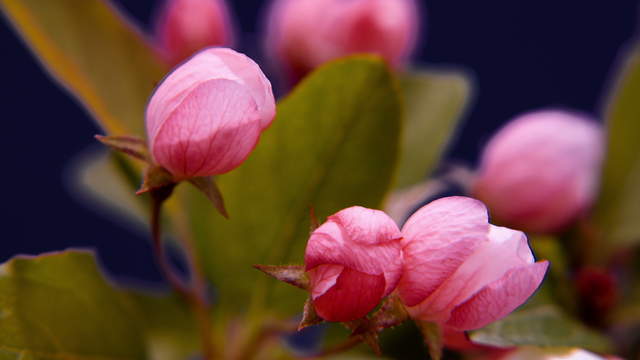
x: 433, y: 338
x: 291, y: 274
x: 207, y: 185
x: 309, y: 316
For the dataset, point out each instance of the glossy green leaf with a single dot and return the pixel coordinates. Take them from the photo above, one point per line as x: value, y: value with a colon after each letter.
x: 94, y: 52
x: 618, y: 206
x: 58, y: 306
x: 541, y: 326
x: 333, y: 144
x: 435, y: 102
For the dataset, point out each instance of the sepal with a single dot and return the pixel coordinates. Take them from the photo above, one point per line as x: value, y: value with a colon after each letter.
x: 391, y: 313
x: 433, y: 337
x: 309, y: 316
x: 130, y: 145
x: 364, y: 330
x: 291, y: 274
x: 209, y: 188
x: 156, y: 178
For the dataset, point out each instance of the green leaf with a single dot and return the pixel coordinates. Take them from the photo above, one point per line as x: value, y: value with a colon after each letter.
x: 333, y: 145
x: 95, y: 53
x: 58, y: 305
x: 542, y: 326
x: 618, y: 205
x: 434, y: 104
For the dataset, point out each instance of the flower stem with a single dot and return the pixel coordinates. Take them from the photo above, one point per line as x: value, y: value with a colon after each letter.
x: 194, y: 294
x: 338, y: 349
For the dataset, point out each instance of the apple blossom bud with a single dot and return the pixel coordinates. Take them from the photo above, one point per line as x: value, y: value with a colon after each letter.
x: 303, y: 34
x: 353, y: 261
x: 460, y: 271
x: 207, y: 115
x: 184, y: 27
x: 541, y: 170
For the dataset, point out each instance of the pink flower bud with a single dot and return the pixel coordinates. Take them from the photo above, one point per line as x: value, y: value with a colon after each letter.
x: 462, y: 272
x: 353, y: 261
x: 303, y: 34
x: 207, y: 115
x: 541, y: 170
x: 186, y: 26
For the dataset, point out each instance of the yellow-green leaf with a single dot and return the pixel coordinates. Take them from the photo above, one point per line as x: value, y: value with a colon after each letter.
x: 93, y: 51
x: 59, y: 306
x: 618, y: 205
x: 434, y: 104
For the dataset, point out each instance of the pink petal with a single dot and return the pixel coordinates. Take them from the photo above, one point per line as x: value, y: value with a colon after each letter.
x: 367, y: 226
x: 209, y: 64
x: 438, y: 238
x: 353, y: 296
x: 211, y: 132
x: 500, y: 298
x: 322, y: 278
x: 362, y: 239
x: 506, y: 249
x: 251, y: 75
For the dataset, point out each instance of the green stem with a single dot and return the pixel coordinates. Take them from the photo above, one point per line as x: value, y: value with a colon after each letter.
x: 195, y: 295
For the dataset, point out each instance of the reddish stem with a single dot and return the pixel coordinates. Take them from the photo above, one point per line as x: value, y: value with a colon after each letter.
x: 195, y: 294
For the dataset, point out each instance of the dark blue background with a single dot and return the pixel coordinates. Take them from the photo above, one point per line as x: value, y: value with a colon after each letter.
x: 523, y: 54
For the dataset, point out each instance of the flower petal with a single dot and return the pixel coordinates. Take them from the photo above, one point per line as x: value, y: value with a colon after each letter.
x: 323, y: 278
x: 211, y: 132
x: 362, y: 239
x: 175, y: 87
x: 258, y: 84
x: 367, y: 226
x: 353, y: 296
x: 500, y: 298
x: 438, y: 238
x: 209, y: 64
x: 506, y: 249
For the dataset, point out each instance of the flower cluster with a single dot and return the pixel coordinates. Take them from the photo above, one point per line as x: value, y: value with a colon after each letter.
x: 448, y: 265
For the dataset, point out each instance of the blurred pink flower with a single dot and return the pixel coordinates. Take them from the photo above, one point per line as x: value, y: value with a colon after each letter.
x: 303, y: 34
x: 541, y: 170
x: 462, y: 272
x: 184, y: 27
x: 207, y: 115
x: 353, y: 261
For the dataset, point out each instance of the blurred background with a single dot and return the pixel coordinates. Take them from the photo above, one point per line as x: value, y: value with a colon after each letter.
x: 522, y: 56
